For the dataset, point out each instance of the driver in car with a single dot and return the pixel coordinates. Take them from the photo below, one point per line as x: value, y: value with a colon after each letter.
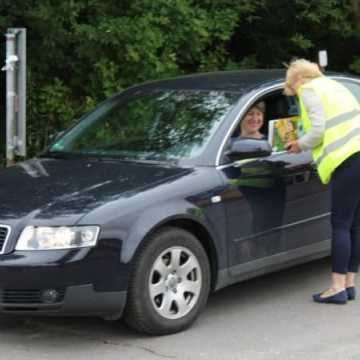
x: 253, y: 121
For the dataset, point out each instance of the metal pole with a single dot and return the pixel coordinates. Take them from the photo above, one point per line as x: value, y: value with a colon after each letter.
x: 11, y: 59
x: 20, y: 131
x: 15, y: 68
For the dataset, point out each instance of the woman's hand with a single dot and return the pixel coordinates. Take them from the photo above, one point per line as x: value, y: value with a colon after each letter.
x: 293, y: 147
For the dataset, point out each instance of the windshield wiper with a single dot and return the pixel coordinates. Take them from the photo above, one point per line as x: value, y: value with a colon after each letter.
x: 103, y: 157
x: 58, y: 155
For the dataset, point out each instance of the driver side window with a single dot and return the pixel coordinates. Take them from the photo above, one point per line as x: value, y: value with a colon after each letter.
x: 261, y: 116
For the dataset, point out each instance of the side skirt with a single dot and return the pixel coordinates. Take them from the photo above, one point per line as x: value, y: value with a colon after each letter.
x: 272, y: 263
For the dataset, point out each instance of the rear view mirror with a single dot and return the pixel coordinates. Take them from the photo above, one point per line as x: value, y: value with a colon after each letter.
x: 248, y: 148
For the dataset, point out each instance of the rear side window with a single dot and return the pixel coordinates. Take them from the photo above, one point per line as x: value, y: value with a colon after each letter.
x: 354, y: 87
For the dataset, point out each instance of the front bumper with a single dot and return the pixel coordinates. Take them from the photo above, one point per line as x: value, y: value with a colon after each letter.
x: 79, y: 300
x: 87, y: 281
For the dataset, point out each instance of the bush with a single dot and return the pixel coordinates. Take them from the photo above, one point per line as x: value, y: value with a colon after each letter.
x: 82, y: 51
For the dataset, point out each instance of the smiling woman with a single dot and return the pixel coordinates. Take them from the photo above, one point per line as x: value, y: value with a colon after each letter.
x: 253, y: 121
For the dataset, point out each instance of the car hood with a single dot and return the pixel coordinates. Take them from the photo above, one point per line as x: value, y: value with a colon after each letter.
x: 70, y: 188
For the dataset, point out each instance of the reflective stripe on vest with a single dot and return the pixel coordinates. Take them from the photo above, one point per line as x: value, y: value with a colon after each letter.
x: 339, y: 119
x: 337, y: 144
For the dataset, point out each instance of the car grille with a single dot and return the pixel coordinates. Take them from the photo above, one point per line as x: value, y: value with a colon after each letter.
x: 4, y: 234
x: 11, y: 296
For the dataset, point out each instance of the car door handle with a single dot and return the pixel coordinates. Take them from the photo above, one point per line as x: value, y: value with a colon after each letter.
x: 302, y: 177
x: 299, y: 178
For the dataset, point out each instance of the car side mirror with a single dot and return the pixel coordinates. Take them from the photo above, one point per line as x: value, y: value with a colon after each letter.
x: 248, y: 148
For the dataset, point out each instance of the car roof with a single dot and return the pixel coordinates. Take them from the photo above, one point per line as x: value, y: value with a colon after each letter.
x: 240, y: 81
x: 237, y: 81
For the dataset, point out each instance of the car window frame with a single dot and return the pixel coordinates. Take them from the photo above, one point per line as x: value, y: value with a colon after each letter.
x: 259, y: 94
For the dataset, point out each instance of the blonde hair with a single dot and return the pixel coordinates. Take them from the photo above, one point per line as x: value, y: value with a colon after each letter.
x: 300, y: 69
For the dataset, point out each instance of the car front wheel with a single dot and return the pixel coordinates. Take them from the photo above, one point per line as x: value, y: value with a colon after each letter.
x: 170, y: 283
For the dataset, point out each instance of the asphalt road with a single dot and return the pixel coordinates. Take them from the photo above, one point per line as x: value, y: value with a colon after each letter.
x: 271, y: 317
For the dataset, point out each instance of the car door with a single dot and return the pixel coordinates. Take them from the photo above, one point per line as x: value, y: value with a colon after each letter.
x: 277, y: 211
x: 274, y: 206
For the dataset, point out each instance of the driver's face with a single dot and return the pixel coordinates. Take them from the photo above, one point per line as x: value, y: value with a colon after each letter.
x: 253, y: 120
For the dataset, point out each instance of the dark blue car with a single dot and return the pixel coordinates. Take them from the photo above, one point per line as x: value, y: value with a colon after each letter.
x: 152, y: 201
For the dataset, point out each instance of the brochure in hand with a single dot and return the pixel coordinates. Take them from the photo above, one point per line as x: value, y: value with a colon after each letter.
x: 283, y: 130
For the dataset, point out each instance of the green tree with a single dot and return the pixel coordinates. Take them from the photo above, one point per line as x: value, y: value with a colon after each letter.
x: 82, y: 51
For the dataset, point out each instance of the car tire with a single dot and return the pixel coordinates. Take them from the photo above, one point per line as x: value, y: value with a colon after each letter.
x: 170, y: 283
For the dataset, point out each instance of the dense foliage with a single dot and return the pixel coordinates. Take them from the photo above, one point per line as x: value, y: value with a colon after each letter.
x: 82, y: 51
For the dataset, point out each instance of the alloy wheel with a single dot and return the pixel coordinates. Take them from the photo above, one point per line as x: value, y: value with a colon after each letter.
x: 175, y: 282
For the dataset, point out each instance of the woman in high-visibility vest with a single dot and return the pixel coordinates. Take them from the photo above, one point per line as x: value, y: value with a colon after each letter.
x: 331, y: 119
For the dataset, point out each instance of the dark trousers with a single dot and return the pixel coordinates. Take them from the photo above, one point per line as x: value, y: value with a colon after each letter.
x: 345, y: 216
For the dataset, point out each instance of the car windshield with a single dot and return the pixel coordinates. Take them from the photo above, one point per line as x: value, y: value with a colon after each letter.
x: 149, y: 125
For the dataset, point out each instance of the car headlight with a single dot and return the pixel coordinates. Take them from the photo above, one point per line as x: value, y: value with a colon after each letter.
x: 62, y: 237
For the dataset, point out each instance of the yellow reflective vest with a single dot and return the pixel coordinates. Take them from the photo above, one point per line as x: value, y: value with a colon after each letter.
x: 342, y: 127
